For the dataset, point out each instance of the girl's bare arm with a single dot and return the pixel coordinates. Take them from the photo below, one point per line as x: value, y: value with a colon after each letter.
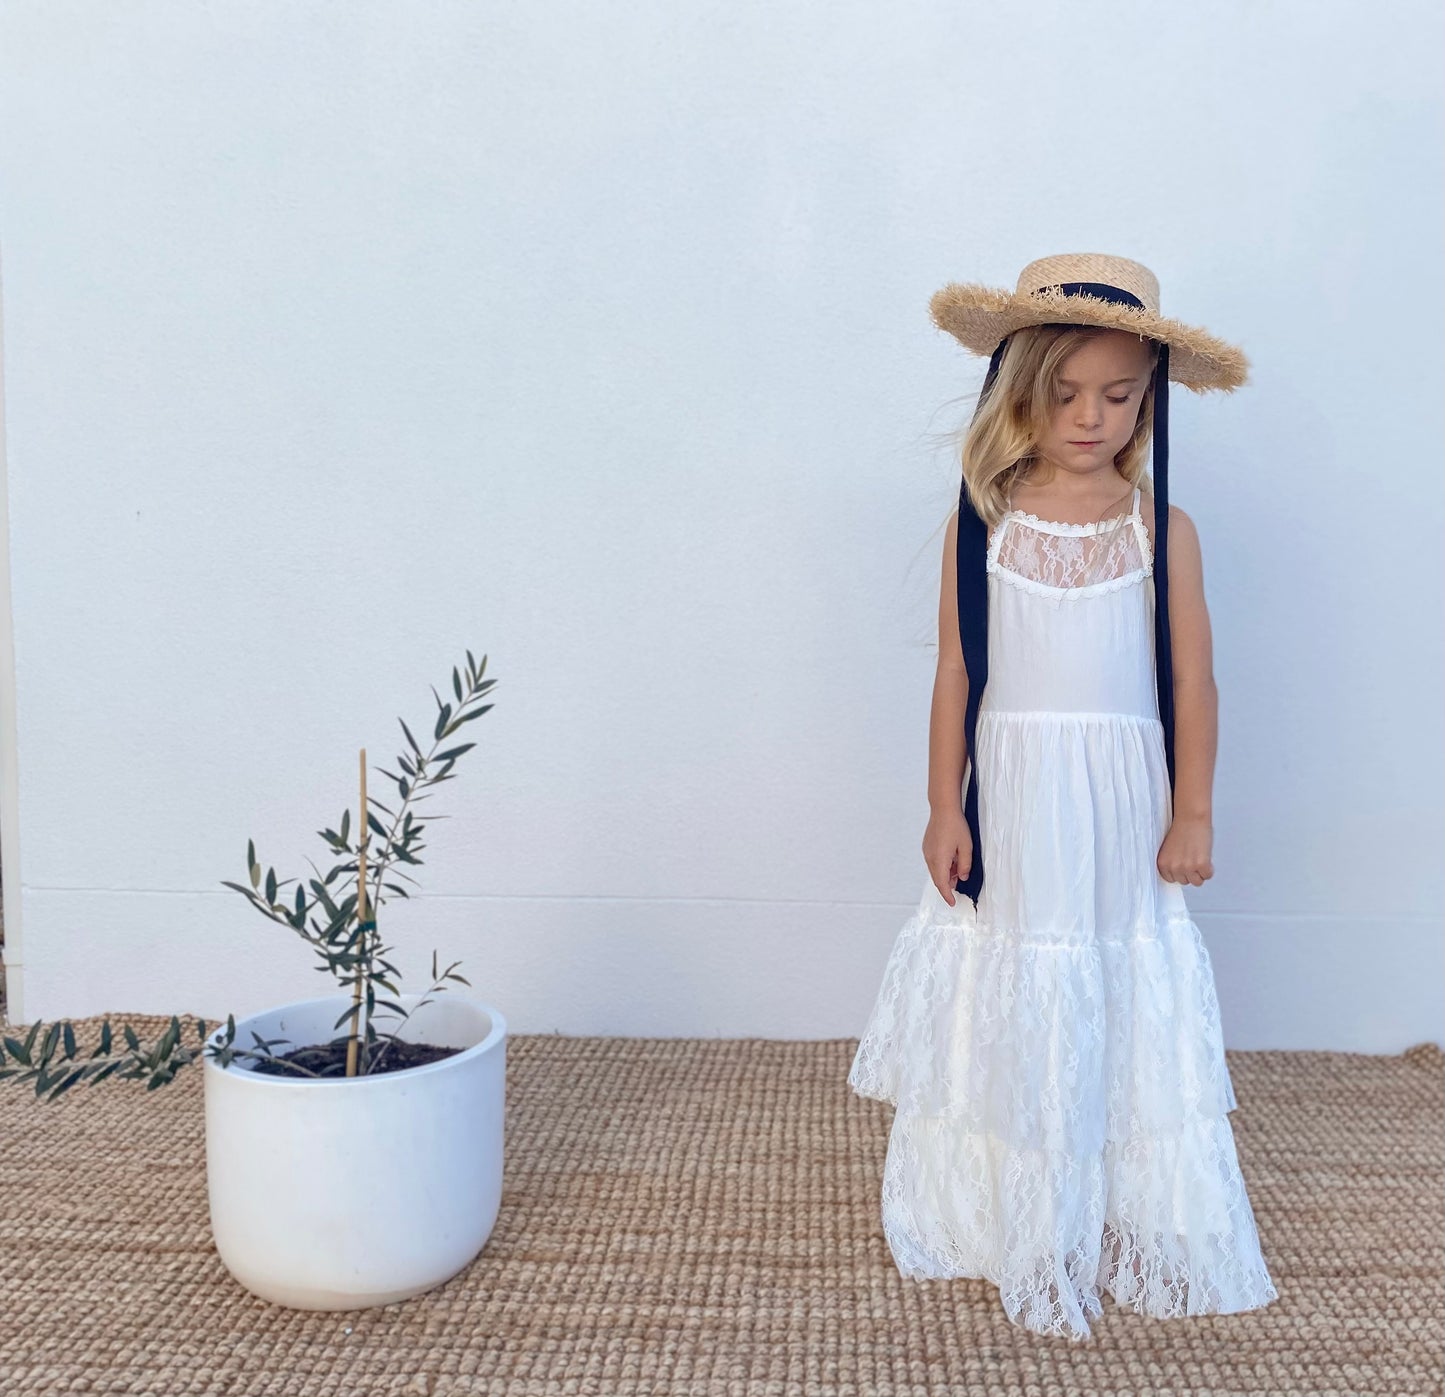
x: 946, y: 744
x: 1186, y: 855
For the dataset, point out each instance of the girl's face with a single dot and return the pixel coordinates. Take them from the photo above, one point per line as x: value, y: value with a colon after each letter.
x: 1096, y: 403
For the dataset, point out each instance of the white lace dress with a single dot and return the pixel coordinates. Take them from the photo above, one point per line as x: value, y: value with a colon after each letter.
x: 1055, y: 1058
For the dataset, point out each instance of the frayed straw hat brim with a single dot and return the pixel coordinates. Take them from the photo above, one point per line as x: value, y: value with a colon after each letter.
x: 980, y: 316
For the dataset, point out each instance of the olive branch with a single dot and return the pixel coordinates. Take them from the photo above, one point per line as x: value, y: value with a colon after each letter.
x: 343, y: 933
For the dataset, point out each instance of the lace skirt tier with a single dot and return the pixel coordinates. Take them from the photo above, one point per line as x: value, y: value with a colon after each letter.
x: 1055, y: 1058
x: 1046, y: 1045
x: 1162, y: 1223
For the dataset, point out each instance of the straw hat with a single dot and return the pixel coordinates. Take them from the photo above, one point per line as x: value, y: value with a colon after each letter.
x: 1082, y: 288
x: 1088, y: 288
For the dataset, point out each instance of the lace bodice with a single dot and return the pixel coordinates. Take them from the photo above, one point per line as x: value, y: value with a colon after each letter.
x: 1070, y: 617
x: 1052, y: 556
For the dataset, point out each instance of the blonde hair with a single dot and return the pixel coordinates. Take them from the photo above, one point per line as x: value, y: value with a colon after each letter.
x: 1000, y: 446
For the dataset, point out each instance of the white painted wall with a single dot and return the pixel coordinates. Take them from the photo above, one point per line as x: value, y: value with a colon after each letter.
x: 339, y: 339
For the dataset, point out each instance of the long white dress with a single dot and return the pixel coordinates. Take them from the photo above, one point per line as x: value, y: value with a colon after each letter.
x: 1055, y: 1056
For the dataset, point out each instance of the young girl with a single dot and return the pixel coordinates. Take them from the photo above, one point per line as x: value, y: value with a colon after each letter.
x: 1051, y: 1039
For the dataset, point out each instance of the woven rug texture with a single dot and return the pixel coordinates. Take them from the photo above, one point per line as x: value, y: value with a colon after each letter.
x: 701, y: 1216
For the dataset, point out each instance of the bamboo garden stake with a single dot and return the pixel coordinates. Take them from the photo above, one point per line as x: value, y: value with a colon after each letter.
x: 353, y: 1039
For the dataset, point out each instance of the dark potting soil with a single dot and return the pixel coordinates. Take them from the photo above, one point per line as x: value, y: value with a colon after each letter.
x: 329, y: 1059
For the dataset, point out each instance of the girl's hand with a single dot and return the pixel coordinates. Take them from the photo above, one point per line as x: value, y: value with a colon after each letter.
x: 1184, y: 856
x: 947, y: 850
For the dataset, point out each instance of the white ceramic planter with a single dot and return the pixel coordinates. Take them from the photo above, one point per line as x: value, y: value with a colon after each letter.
x: 344, y: 1194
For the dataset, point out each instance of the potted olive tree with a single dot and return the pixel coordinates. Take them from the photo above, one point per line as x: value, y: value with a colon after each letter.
x: 354, y: 1168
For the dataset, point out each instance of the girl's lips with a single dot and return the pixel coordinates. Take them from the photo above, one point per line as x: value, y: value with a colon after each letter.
x: 1083, y: 443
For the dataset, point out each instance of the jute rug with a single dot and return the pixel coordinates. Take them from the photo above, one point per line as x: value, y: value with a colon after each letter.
x: 701, y: 1216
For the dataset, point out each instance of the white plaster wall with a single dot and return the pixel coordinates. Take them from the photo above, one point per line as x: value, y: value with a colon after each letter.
x: 339, y: 339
